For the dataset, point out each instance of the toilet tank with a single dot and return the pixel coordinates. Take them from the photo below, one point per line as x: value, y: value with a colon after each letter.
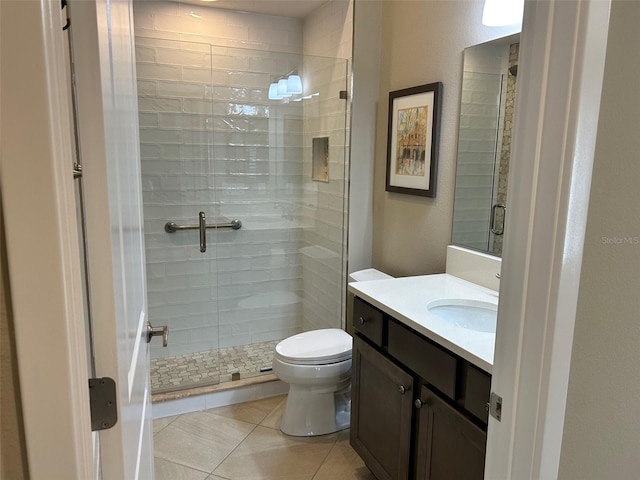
x: 365, y: 275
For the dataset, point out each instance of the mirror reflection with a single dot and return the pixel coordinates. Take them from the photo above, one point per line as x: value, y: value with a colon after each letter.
x: 484, y: 144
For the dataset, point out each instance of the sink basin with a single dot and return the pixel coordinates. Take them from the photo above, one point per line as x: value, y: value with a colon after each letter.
x: 470, y: 314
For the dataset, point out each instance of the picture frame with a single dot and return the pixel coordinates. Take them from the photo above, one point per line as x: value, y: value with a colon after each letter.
x: 413, y: 140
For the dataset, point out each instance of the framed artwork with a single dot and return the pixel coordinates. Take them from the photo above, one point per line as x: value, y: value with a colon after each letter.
x: 412, y: 142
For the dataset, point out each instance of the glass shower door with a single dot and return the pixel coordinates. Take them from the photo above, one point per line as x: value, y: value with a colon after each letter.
x: 213, y: 141
x: 280, y: 167
x: 175, y: 106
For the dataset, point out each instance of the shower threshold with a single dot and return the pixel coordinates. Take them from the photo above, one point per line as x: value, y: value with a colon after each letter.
x: 195, y: 390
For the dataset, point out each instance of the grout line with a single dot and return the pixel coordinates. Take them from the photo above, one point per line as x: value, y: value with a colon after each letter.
x: 181, y: 465
x: 175, y: 417
x: 233, y: 450
x: 274, y: 409
x: 324, y: 460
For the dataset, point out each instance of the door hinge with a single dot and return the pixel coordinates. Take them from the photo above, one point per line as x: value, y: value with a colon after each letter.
x: 102, y: 400
x: 495, y: 406
x: 63, y: 4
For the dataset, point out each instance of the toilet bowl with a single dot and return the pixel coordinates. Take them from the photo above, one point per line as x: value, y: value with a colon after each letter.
x: 317, y: 366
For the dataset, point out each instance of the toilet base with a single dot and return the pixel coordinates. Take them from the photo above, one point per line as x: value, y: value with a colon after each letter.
x: 309, y: 413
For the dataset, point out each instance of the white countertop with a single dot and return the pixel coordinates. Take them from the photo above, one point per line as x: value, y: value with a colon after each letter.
x: 406, y: 299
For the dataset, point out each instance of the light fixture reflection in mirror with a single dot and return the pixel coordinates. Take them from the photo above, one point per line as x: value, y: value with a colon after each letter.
x: 286, y: 86
x: 484, y: 144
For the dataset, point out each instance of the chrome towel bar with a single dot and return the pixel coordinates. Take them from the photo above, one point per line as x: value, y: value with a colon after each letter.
x: 172, y: 227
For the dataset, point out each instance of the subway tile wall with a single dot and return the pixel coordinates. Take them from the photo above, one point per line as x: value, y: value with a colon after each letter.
x: 212, y: 141
x: 328, y: 32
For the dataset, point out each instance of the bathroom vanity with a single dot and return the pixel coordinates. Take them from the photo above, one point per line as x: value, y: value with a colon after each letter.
x: 420, y: 385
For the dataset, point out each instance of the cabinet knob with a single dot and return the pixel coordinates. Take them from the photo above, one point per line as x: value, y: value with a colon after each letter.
x: 418, y: 403
x: 402, y: 389
x: 362, y: 320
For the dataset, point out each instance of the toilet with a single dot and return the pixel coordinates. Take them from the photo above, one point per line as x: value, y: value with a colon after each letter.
x: 317, y: 366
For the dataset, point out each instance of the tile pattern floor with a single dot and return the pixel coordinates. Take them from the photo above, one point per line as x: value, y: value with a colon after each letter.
x: 244, y: 442
x: 202, y: 367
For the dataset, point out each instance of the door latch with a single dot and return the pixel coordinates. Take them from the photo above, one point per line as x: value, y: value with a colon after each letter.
x: 495, y: 406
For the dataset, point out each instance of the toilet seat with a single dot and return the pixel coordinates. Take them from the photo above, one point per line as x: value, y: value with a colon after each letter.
x: 316, y: 347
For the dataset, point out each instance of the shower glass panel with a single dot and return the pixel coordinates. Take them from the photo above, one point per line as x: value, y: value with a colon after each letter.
x: 213, y: 141
x: 283, y: 272
x: 176, y: 108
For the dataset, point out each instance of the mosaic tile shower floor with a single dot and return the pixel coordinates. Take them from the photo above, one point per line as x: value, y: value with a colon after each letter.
x: 202, y: 368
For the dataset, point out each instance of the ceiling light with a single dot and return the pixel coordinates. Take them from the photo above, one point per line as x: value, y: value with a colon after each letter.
x: 500, y: 13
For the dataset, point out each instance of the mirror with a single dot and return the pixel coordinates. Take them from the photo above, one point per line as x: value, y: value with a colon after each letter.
x: 484, y: 144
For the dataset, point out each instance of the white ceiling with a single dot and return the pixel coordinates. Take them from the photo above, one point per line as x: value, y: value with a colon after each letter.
x: 284, y: 8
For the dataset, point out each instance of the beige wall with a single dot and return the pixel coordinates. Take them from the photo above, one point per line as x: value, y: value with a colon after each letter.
x: 13, y: 457
x: 602, y: 423
x: 422, y: 42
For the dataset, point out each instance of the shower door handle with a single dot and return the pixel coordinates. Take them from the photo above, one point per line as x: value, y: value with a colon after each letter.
x: 492, y: 220
x: 202, y: 224
x: 157, y: 331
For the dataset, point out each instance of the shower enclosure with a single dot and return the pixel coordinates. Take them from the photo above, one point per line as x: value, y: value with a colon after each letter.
x: 214, y: 145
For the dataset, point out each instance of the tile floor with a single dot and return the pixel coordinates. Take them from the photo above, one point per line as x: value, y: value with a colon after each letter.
x: 243, y: 442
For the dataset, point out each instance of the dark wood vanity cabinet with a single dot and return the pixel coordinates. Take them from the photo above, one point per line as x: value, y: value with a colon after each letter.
x: 448, y: 445
x: 381, y: 418
x: 417, y: 410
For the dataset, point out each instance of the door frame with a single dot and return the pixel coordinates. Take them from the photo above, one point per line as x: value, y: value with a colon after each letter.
x: 562, y: 56
x: 43, y: 253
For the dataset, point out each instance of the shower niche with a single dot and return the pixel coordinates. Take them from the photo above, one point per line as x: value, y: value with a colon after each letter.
x: 320, y: 159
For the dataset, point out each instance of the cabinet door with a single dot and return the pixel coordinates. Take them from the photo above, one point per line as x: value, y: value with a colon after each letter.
x: 449, y: 446
x: 381, y: 407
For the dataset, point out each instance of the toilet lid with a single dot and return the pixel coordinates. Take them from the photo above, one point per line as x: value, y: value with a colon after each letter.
x: 316, y: 347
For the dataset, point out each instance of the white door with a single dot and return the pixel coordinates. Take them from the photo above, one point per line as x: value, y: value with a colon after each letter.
x: 562, y: 53
x: 102, y: 37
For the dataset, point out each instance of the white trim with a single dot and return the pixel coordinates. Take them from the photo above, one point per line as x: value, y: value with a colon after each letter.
x: 367, y: 21
x: 107, y: 113
x: 136, y: 351
x: 562, y: 63
x: 42, y: 242
x: 146, y: 403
